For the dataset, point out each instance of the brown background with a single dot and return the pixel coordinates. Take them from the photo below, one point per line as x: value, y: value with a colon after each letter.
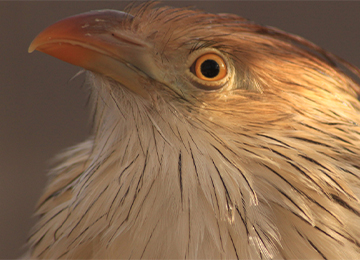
x: 42, y: 113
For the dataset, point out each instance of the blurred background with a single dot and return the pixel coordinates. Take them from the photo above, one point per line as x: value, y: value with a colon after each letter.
x: 42, y: 112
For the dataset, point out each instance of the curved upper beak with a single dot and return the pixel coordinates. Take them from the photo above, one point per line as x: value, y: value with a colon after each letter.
x: 99, y: 42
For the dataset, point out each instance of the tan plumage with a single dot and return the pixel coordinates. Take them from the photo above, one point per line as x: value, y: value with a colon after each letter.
x: 263, y: 163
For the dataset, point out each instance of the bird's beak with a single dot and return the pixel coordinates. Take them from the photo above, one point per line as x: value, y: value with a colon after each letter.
x: 97, y: 41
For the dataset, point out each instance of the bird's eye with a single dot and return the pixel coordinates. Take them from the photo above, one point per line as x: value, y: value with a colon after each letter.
x: 210, y: 67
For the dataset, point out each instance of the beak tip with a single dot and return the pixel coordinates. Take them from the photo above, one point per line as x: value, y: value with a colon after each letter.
x: 32, y: 47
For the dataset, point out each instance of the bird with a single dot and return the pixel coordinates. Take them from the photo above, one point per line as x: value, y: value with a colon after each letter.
x: 213, y: 137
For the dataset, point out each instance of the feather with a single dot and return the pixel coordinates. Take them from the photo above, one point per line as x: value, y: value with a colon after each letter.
x: 262, y: 163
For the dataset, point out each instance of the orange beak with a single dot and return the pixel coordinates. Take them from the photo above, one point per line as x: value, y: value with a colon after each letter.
x: 99, y: 42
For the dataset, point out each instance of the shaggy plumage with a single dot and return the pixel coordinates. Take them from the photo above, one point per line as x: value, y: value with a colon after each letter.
x: 264, y: 163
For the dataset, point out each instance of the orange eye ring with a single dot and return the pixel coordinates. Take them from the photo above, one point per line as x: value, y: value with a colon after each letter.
x: 210, y: 67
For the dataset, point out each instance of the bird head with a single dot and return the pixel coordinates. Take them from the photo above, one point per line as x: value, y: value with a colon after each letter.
x: 213, y: 65
x: 263, y: 124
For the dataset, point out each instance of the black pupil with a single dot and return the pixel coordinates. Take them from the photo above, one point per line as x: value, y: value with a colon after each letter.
x: 210, y: 68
